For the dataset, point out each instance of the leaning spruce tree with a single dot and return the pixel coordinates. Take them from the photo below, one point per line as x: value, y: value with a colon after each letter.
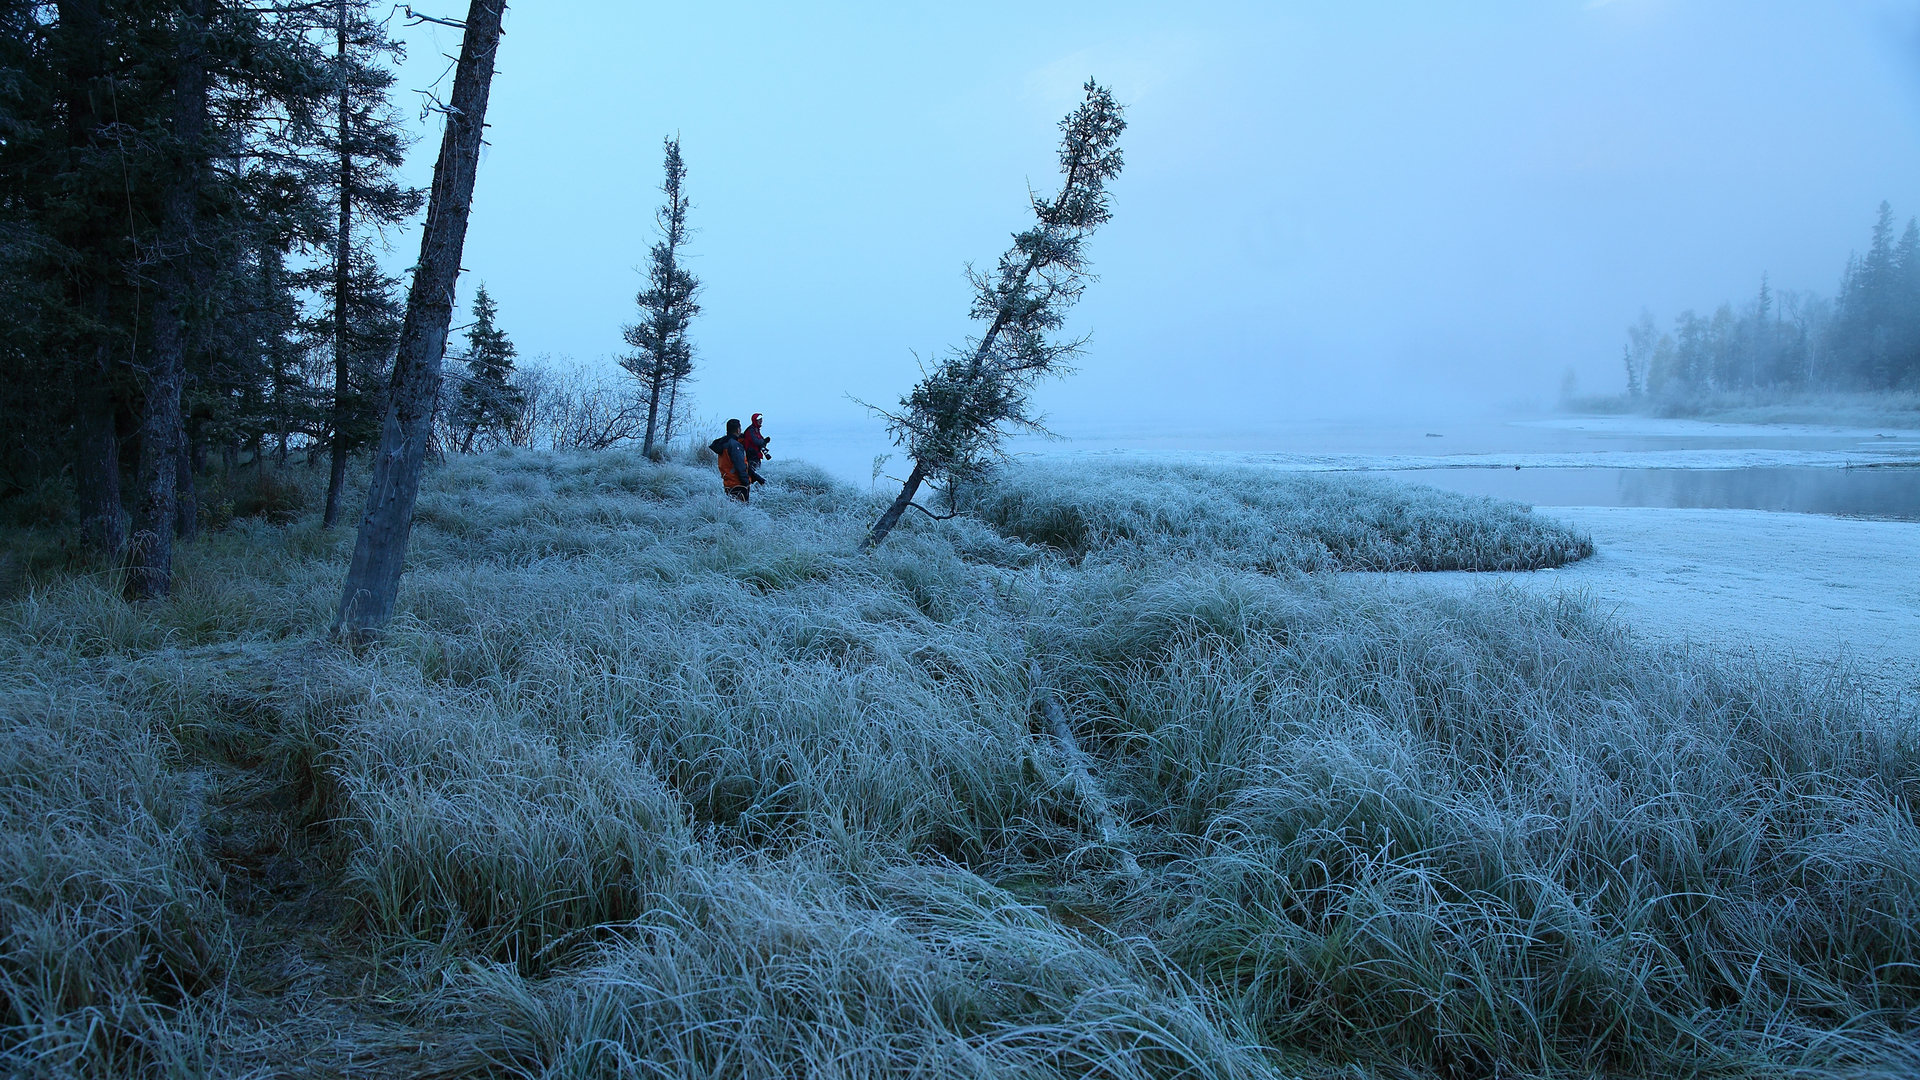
x: 954, y: 420
x: 380, y: 549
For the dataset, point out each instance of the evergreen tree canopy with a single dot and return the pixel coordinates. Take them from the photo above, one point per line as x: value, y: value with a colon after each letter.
x: 663, y: 351
x: 953, y: 421
x: 171, y: 171
x: 487, y: 402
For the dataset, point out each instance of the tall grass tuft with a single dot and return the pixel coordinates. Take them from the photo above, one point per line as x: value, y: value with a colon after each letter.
x: 1264, y: 519
x: 114, y: 941
x: 756, y: 970
x: 1494, y: 834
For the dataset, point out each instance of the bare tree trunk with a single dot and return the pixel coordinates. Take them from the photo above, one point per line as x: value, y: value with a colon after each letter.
x: 673, y: 400
x: 186, y: 502
x: 342, y: 252
x: 96, y: 460
x: 96, y: 464
x: 380, y: 550
x: 1093, y: 798
x: 150, y: 553
x: 150, y: 562
x: 653, y: 410
x: 892, y: 517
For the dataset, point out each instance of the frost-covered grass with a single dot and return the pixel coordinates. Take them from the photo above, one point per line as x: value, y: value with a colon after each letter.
x: 1263, y: 519
x: 646, y: 783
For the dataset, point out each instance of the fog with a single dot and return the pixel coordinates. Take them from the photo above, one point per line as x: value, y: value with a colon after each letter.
x: 1328, y: 209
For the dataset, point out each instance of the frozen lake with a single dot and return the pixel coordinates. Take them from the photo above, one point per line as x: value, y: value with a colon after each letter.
x: 1877, y: 491
x: 1560, y: 461
x: 1837, y: 596
x: 1799, y: 544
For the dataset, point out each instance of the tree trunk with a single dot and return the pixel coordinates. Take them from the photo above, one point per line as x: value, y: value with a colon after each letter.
x: 653, y: 410
x: 380, y: 549
x: 912, y: 487
x: 150, y: 562
x: 186, y: 502
x: 892, y: 517
x: 270, y: 267
x: 96, y: 457
x: 96, y: 463
x: 150, y: 554
x: 342, y: 252
x: 673, y: 399
x: 336, y: 477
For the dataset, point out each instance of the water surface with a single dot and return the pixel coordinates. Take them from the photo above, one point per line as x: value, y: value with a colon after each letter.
x: 1886, y: 491
x: 1562, y: 461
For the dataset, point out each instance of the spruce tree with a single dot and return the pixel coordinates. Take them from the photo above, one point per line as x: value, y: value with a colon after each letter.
x: 954, y: 420
x: 663, y: 353
x: 487, y: 400
x: 1641, y: 339
x: 146, y: 146
x: 1762, y: 340
x: 366, y: 143
x: 1905, y: 304
x: 161, y: 166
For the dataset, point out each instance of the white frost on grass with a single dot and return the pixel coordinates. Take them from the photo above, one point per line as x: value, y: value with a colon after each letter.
x: 1803, y: 587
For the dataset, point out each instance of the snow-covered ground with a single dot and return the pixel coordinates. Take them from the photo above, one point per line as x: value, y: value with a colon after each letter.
x: 1802, y: 588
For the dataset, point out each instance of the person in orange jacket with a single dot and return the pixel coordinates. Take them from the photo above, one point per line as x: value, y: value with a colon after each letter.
x: 755, y: 443
x: 736, y: 476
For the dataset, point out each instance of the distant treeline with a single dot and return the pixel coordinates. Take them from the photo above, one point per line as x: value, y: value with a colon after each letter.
x: 1866, y: 338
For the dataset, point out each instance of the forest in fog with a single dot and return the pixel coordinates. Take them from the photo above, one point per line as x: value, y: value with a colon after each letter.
x: 1864, y: 338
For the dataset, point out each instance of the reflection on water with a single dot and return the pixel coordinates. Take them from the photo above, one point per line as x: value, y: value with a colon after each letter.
x: 1883, y: 492
x: 1564, y: 462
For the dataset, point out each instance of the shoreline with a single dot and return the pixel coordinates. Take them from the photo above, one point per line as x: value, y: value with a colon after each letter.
x: 1806, y: 589
x: 1880, y: 416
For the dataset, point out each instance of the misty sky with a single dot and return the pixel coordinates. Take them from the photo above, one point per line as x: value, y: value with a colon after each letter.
x: 1327, y: 207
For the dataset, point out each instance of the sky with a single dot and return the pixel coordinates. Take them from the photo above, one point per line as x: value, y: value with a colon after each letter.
x: 1329, y: 209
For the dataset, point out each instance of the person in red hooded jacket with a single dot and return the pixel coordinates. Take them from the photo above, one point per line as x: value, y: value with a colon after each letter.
x: 755, y: 444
